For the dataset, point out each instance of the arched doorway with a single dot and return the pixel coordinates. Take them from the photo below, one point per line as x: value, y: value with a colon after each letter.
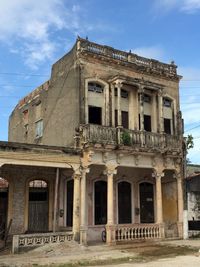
x: 4, y: 188
x: 146, y: 203
x: 70, y: 196
x: 124, y: 202
x: 100, y: 202
x: 38, y: 206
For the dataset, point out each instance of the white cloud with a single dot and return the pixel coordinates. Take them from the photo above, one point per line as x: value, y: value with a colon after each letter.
x: 32, y: 25
x: 186, y: 6
x: 155, y: 52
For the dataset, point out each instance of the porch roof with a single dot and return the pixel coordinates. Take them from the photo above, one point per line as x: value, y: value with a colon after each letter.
x: 13, y: 153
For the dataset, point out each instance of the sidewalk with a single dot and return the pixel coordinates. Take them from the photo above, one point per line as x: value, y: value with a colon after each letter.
x: 75, y: 255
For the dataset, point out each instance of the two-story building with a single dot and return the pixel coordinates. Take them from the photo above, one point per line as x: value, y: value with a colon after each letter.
x: 122, y: 112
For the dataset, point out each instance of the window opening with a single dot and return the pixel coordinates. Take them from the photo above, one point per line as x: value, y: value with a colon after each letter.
x: 39, y: 129
x: 167, y: 102
x: 147, y: 98
x: 147, y: 123
x: 95, y: 87
x: 95, y: 115
x: 125, y: 118
x: 167, y: 126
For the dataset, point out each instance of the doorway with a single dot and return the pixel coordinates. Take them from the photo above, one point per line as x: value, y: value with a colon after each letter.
x: 3, y: 203
x: 38, y: 206
x: 124, y: 203
x: 100, y: 204
x: 146, y: 203
x: 70, y: 196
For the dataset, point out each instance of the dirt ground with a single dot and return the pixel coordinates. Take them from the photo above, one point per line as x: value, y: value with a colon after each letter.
x: 179, y: 253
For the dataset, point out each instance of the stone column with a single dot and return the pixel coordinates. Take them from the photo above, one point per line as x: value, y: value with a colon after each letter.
x: 180, y: 204
x: 110, y: 172
x: 160, y: 111
x: 113, y: 105
x: 86, y: 103
x: 159, y: 209
x: 141, y: 96
x: 84, y: 221
x: 154, y: 114
x: 76, y: 206
x: 119, y: 113
x: 55, y: 210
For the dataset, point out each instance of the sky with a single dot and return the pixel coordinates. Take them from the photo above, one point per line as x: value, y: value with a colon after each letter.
x: 35, y: 34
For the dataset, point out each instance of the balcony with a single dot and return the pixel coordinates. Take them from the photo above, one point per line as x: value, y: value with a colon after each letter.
x: 97, y: 134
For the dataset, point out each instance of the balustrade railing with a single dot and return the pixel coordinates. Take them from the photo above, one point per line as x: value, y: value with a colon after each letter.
x: 137, y: 232
x: 155, y: 65
x: 91, y: 133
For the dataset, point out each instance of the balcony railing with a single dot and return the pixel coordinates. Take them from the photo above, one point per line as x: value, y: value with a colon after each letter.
x: 90, y: 133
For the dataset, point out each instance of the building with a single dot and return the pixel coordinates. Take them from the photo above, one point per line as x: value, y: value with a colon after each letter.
x: 122, y: 113
x: 193, y: 199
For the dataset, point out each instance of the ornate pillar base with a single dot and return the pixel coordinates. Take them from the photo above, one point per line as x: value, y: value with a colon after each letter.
x: 180, y: 229
x: 83, y: 236
x: 110, y: 234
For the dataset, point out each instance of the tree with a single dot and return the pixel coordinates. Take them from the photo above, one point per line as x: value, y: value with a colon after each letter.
x: 189, y: 142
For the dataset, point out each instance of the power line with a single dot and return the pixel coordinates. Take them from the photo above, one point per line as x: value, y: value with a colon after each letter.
x: 23, y: 74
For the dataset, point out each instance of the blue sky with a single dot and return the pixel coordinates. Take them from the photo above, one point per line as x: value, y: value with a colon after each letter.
x: 34, y: 34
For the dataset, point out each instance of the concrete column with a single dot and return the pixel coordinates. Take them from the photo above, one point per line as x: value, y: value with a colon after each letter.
x: 76, y: 206
x: 55, y: 211
x: 141, y: 108
x: 110, y: 172
x: 159, y: 209
x: 160, y: 111
x: 180, y: 205
x: 119, y: 113
x: 113, y: 105
x: 86, y: 102
x: 154, y: 114
x: 131, y: 110
x: 180, y: 198
x: 84, y: 221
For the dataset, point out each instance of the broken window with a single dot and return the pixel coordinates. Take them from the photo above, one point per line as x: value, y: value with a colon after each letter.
x: 167, y: 126
x: 95, y: 115
x: 147, y: 98
x: 25, y: 116
x: 39, y: 128
x: 95, y: 87
x: 167, y: 102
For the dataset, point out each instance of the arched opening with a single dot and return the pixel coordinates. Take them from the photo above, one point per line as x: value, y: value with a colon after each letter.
x: 100, y: 205
x: 146, y: 203
x: 38, y: 206
x: 4, y: 188
x: 124, y: 202
x: 70, y: 196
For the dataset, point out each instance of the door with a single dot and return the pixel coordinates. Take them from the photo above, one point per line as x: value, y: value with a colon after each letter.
x: 70, y: 196
x: 146, y: 203
x: 124, y: 202
x: 38, y: 210
x: 3, y: 209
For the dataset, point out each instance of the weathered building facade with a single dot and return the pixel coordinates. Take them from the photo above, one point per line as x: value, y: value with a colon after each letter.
x: 122, y: 112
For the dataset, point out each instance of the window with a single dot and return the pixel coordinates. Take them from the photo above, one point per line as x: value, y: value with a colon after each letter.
x: 95, y: 115
x: 147, y: 123
x: 39, y: 129
x: 167, y: 102
x: 95, y: 87
x: 124, y: 93
x: 167, y: 126
x: 147, y: 98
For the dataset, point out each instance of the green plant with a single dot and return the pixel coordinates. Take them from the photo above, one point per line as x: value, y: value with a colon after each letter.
x: 126, y: 138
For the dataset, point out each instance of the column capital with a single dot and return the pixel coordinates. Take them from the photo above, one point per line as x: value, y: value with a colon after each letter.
x: 160, y: 92
x: 118, y: 83
x: 110, y: 169
x: 177, y: 176
x: 158, y: 174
